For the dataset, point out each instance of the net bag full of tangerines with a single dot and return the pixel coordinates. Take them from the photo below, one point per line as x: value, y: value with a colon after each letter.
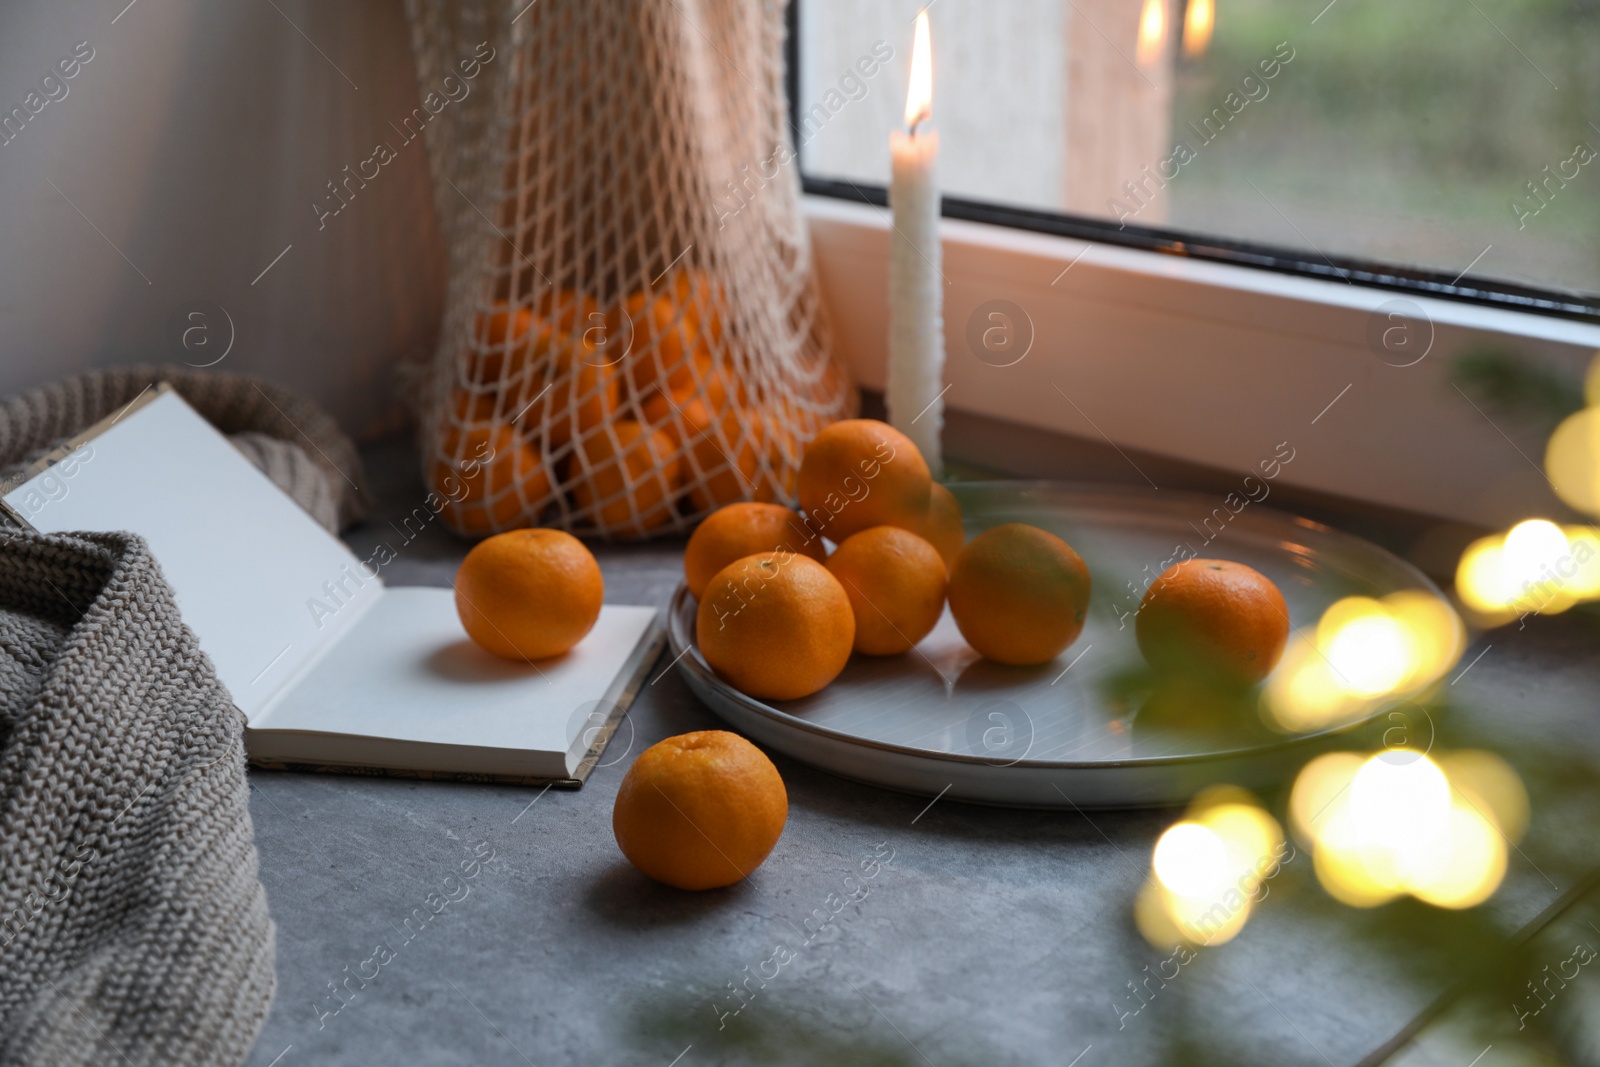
x: 632, y: 334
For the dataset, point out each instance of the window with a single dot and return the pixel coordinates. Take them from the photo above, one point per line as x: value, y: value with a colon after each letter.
x: 1449, y: 147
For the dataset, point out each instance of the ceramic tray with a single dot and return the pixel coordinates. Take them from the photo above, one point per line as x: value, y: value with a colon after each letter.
x: 942, y: 720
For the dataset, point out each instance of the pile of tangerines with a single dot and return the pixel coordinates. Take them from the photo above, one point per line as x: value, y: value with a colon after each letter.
x: 779, y: 617
x: 546, y: 401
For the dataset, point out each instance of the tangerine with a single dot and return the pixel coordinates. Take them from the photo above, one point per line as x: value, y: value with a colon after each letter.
x: 895, y: 581
x: 1213, y: 617
x: 490, y: 478
x: 632, y: 473
x: 743, y: 529
x: 860, y: 473
x: 1019, y: 594
x: 700, y: 810
x: 668, y: 354
x: 776, y: 625
x: 529, y: 594
x: 500, y: 332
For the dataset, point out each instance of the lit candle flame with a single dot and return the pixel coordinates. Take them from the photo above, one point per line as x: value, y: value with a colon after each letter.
x: 919, y: 95
x: 1152, y: 32
x: 1197, y: 24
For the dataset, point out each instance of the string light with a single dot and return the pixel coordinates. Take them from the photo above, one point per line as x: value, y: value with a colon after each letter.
x: 1364, y: 651
x: 1207, y: 870
x: 1399, y: 823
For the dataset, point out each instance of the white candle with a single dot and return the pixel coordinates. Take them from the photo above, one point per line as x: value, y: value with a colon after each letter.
x: 916, y: 296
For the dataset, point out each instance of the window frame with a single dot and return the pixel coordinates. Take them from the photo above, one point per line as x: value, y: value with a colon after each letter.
x: 1413, y: 281
x: 1212, y: 364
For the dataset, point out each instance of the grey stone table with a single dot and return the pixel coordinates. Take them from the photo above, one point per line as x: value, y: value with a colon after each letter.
x: 910, y: 933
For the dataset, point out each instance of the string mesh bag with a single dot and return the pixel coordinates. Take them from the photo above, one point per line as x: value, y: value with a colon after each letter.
x: 633, y: 335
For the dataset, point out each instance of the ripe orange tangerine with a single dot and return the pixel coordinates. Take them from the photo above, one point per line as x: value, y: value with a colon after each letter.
x: 860, y: 473
x: 529, y: 594
x: 728, y: 457
x: 941, y: 525
x: 630, y: 478
x: 1019, y: 594
x: 895, y: 581
x: 667, y: 354
x: 700, y: 810
x: 1213, y: 618
x: 567, y: 394
x: 731, y: 533
x: 490, y: 478
x: 501, y: 331
x: 776, y: 625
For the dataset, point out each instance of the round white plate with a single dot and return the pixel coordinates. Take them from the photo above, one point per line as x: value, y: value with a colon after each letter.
x: 941, y: 720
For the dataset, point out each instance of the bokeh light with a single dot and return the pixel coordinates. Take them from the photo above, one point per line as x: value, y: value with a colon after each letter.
x: 1368, y: 650
x: 1572, y: 460
x: 1584, y: 584
x: 1533, y: 545
x: 1364, y: 652
x: 1399, y: 822
x: 1207, y: 870
x: 1490, y: 786
x: 1191, y: 860
x: 1535, y: 567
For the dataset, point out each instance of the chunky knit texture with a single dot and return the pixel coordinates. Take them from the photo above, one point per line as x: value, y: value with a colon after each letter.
x: 292, y: 440
x: 134, y: 925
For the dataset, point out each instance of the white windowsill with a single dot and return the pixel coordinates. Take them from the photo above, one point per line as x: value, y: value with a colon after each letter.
x: 1214, y: 364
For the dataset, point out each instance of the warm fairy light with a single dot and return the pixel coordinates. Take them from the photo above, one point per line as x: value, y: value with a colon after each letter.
x: 1368, y: 650
x: 1483, y: 582
x: 1532, y: 546
x: 1536, y: 567
x: 1433, y: 631
x: 1400, y: 800
x: 1152, y: 33
x: 1400, y: 823
x: 1303, y: 693
x: 1584, y: 542
x: 1190, y: 860
x: 1487, y: 784
x: 1463, y: 866
x: 1208, y: 870
x: 919, y: 94
x: 1572, y: 460
x: 1318, y: 785
x: 1197, y: 25
x: 1364, y: 651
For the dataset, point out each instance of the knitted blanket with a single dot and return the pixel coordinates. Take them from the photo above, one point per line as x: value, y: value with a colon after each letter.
x: 294, y: 442
x: 133, y: 926
x: 134, y: 929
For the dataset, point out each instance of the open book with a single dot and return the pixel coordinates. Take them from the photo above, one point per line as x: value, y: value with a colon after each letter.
x: 332, y: 670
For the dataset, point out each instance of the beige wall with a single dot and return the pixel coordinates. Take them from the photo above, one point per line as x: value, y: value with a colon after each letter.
x: 196, y: 140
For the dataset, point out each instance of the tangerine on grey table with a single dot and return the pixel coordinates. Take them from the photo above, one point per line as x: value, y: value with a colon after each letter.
x: 445, y: 923
x: 944, y: 719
